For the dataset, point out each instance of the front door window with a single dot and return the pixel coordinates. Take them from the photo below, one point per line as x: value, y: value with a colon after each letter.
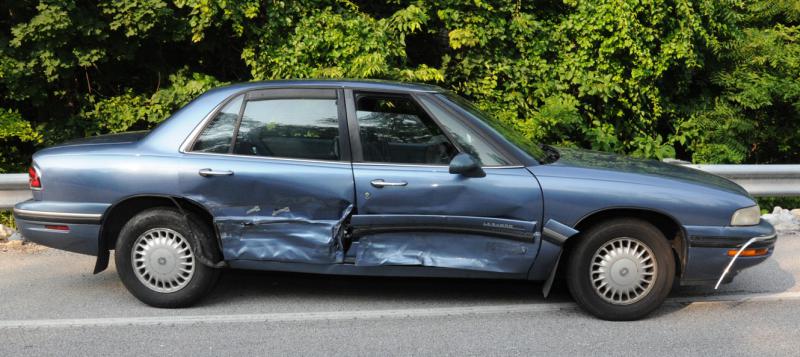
x: 394, y: 129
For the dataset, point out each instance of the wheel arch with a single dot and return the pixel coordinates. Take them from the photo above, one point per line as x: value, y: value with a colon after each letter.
x: 674, y: 232
x: 123, y: 210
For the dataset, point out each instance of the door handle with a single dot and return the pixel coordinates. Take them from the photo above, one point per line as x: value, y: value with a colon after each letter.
x: 380, y: 183
x: 210, y: 172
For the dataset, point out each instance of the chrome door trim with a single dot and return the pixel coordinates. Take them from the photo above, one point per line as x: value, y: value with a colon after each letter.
x: 338, y: 162
x: 24, y: 213
x: 428, y: 165
x: 733, y: 260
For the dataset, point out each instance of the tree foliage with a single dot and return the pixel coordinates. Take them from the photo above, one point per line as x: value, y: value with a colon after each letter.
x: 706, y: 80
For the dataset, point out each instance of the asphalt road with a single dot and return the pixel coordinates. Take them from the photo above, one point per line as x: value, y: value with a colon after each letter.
x: 51, y: 304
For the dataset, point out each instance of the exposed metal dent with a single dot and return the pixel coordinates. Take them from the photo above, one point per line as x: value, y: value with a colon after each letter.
x: 555, y: 234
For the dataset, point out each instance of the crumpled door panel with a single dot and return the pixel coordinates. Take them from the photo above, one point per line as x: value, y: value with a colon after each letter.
x: 446, y: 250
x: 284, y: 239
x: 276, y: 210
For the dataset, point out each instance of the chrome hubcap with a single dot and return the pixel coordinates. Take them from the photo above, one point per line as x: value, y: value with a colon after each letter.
x: 163, y: 260
x: 623, y: 271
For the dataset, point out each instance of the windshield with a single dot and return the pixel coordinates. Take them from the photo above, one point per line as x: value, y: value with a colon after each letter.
x: 541, y: 153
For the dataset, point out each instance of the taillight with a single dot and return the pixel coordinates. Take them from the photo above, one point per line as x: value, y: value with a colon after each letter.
x: 34, y: 179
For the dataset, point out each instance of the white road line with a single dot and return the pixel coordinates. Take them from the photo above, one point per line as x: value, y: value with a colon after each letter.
x: 737, y: 298
x: 361, y: 315
x: 290, y: 316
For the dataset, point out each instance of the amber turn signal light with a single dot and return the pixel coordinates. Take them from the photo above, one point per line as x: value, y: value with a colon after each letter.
x: 749, y: 252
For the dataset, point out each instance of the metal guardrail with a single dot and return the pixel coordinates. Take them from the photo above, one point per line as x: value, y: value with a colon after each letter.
x: 759, y: 180
x: 13, y: 189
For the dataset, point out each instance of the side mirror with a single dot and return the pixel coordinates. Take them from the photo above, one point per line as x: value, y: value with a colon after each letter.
x: 466, y: 165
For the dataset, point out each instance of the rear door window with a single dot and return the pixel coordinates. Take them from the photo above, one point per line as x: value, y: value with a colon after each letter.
x: 218, y: 134
x: 300, y: 128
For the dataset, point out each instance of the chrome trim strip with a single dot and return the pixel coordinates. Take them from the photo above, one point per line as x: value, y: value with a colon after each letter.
x: 59, y: 215
x: 428, y: 166
x: 733, y: 260
x: 338, y: 162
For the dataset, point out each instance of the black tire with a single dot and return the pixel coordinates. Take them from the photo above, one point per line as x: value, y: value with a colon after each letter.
x: 608, y: 234
x: 191, y: 289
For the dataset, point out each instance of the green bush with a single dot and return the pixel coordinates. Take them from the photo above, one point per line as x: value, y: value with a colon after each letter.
x: 767, y: 204
x: 7, y: 219
x: 707, y: 81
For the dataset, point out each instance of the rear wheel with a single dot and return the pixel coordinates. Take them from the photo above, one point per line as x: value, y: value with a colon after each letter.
x: 621, y: 269
x: 156, y: 258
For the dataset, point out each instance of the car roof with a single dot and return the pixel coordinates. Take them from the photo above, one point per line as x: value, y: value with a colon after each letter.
x: 364, y: 84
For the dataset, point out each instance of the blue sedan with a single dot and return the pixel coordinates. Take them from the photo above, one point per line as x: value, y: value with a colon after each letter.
x: 382, y: 179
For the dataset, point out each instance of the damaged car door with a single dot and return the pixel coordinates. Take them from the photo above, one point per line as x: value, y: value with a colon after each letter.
x: 274, y: 170
x: 431, y: 191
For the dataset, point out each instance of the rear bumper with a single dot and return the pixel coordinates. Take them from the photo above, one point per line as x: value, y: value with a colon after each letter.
x: 35, y: 221
x: 708, y: 249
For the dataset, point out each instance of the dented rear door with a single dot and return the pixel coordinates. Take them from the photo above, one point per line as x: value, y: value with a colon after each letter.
x: 281, y: 190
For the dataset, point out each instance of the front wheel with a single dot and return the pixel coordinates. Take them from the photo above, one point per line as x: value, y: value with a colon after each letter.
x: 156, y: 258
x: 621, y: 269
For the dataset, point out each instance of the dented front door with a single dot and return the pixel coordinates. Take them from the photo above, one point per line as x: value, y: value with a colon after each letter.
x: 434, y: 218
x: 411, y: 211
x: 283, y: 187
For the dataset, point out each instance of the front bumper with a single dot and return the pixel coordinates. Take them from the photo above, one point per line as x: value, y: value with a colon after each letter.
x: 37, y: 222
x: 707, y: 252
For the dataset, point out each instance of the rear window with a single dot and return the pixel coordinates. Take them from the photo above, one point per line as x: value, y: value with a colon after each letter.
x: 290, y: 128
x: 218, y: 134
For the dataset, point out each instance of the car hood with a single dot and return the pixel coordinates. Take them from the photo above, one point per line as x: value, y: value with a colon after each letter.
x: 624, y: 164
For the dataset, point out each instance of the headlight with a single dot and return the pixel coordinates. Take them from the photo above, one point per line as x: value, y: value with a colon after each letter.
x: 749, y: 216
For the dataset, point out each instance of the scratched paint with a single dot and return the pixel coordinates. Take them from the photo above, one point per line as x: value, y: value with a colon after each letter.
x: 446, y: 250
x: 284, y: 238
